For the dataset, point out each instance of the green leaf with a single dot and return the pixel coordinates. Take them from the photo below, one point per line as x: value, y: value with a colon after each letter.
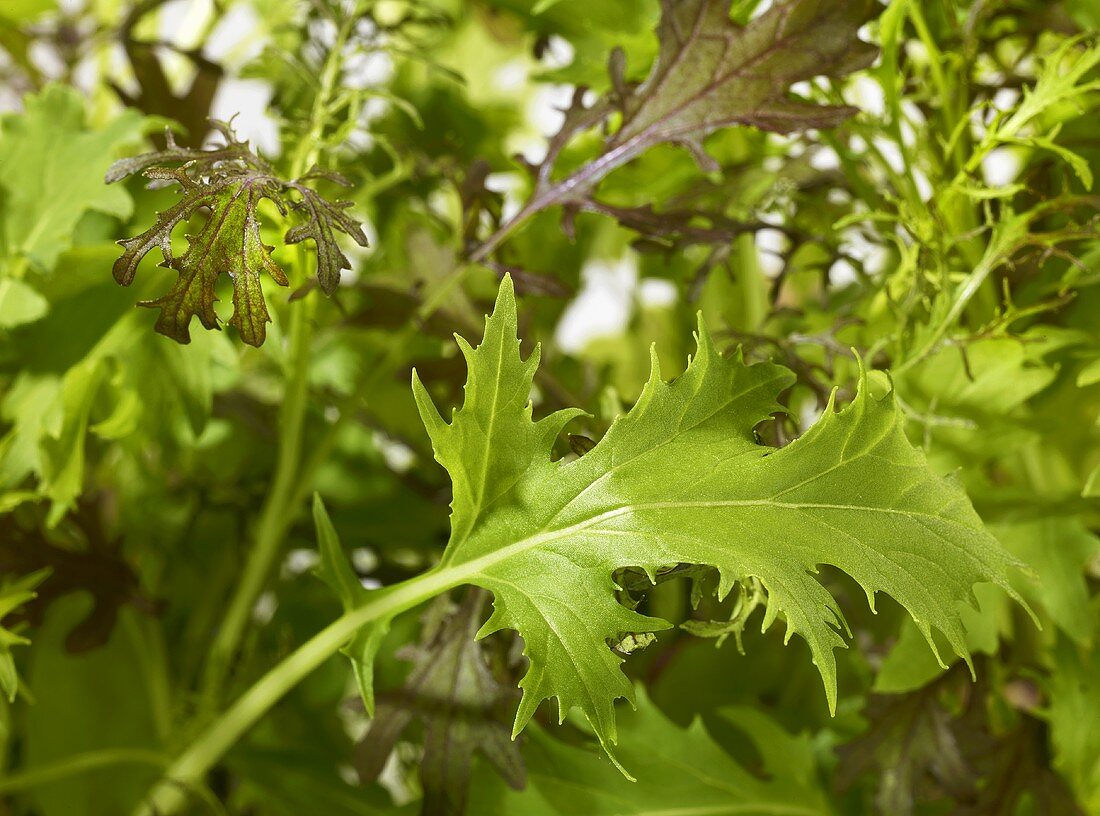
x: 1074, y: 701
x: 13, y: 595
x: 679, y: 771
x: 910, y: 664
x: 1092, y: 484
x: 335, y: 571
x: 24, y: 10
x: 100, y: 701
x: 51, y: 171
x: 62, y: 451
x: 1089, y: 374
x: 1057, y: 549
x: 20, y: 303
x: 681, y: 479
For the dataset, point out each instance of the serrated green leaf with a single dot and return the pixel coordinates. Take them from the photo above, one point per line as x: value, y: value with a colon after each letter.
x: 12, y: 596
x: 681, y: 479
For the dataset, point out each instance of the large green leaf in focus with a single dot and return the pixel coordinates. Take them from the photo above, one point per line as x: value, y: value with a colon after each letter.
x: 681, y: 479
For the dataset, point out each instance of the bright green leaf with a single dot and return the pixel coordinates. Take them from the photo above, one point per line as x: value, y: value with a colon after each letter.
x: 681, y: 479
x: 51, y: 173
x: 20, y: 303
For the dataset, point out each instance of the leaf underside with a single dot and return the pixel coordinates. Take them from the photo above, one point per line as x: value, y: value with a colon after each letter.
x: 681, y: 479
x: 712, y: 73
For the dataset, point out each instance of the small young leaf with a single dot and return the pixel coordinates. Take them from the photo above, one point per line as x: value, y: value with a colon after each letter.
x: 335, y: 571
x: 228, y: 182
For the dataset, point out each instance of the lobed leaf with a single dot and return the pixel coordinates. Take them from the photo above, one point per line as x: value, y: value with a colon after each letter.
x: 680, y: 478
x: 228, y: 182
x: 50, y: 165
x: 712, y: 73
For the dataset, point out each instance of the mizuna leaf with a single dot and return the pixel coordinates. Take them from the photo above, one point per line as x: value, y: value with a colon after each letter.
x: 50, y: 168
x: 324, y: 219
x: 228, y: 182
x: 681, y: 479
x: 712, y: 73
x: 228, y: 243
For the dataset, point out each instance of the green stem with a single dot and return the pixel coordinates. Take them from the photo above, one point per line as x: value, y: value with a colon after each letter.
x: 279, y: 509
x: 277, y: 512
x: 188, y: 770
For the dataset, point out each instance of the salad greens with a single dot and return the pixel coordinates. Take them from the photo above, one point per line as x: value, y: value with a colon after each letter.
x: 556, y: 363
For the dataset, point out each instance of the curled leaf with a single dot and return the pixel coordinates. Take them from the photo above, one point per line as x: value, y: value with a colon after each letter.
x: 227, y: 183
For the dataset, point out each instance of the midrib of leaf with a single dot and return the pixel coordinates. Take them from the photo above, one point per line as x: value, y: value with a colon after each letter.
x: 488, y: 436
x: 682, y: 42
x: 476, y: 565
x: 208, y: 248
